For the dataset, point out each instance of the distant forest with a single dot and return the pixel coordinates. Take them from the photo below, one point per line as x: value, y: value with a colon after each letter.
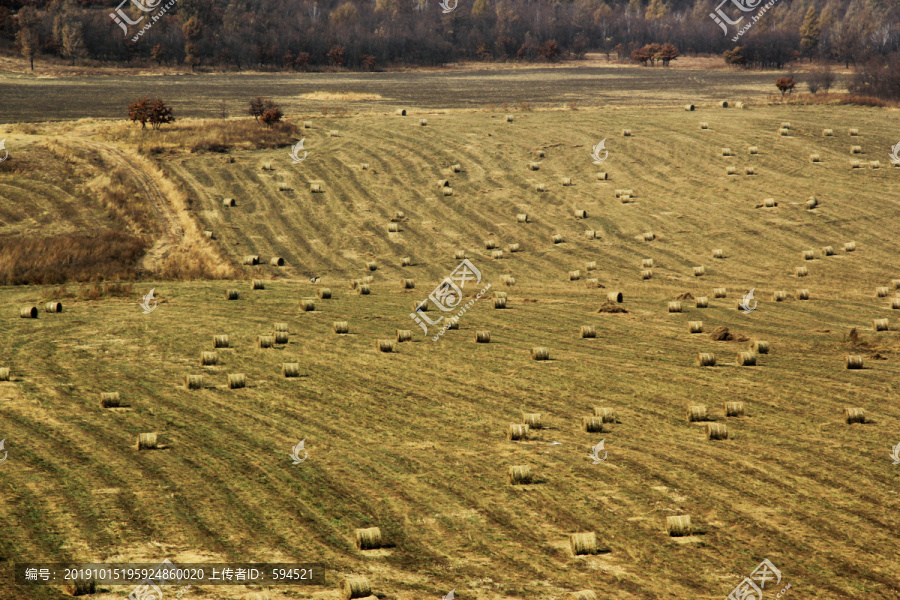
x: 370, y: 35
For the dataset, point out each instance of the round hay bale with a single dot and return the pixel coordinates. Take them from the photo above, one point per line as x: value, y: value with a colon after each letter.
x: 557, y: 238
x: 853, y: 361
x: 696, y: 413
x: 324, y: 293
x: 695, y: 326
x: 815, y: 158
x: 193, y: 382
x: 453, y: 323
x: 854, y: 164
x: 509, y: 118
x: 533, y: 166
x: 880, y: 324
x: 706, y: 359
x: 265, y: 341
x: 522, y: 218
x: 603, y: 176
x: 882, y: 292
x: 231, y: 295
x: 574, y: 275
x: 456, y: 168
x: 28, y: 312
x: 753, y: 150
x: 626, y: 133
x: 516, y: 432
x: 607, y: 415
x: 808, y: 255
x: 702, y: 302
x: 220, y: 341
x: 519, y: 475
x: 401, y: 112
x: 811, y: 203
x: 851, y: 247
x: 723, y: 104
x: 674, y: 306
x: 404, y: 335
x: 408, y: 284
x: 580, y: 214
x: 341, y: 327
x: 699, y: 271
x: 514, y: 247
x: 405, y: 261
x: 783, y: 132
x: 750, y: 171
x: 718, y: 253
x: 759, y: 347
x: 646, y: 274
x: 307, y: 305
x: 109, y: 400
x: 649, y: 236
x: 333, y: 133
x: 497, y: 254
x: 533, y: 420
x: 566, y: 181
x: 208, y: 359
x: 422, y: 305
x: 689, y: 107
x: 741, y: 105
x: 590, y: 234
x: 647, y: 263
x: 745, y: 359
x: 779, y: 296
x: 785, y: 125
x: 716, y: 431
x: 727, y: 152
x: 720, y: 292
x: 614, y: 297
x: 385, y: 345
x: 228, y: 202
x: 363, y: 290
x: 281, y: 337
x: 592, y: 282
x: 258, y: 284
x: 679, y: 526
x: 803, y: 294
x: 540, y: 353
x: 854, y: 415
x: 53, y: 307
x: 364, y: 166
x: 459, y: 254
x: 734, y: 409
x: 499, y: 302
x: 875, y: 164
x: 368, y: 539
x: 591, y: 266
x: 583, y: 543
x: 209, y: 235
x: 236, y: 381
x: 801, y: 271
x: 499, y: 294
x: 4, y: 373
x: 147, y: 441
x: 827, y: 132
x: 704, y: 125
x: 731, y: 170
x: 355, y: 587
x: 398, y: 216
x: 290, y: 369
x: 509, y: 280
x: 443, y: 183
x: 588, y: 331
x: 447, y: 191
x: 854, y: 132
x: 490, y: 244
x: 828, y: 250
x: 855, y: 149
x: 372, y: 266
x: 307, y: 124
x: 483, y: 337
x: 770, y: 203
x: 276, y: 261
x: 592, y: 424
x: 251, y: 259
x: 620, y: 193
x: 393, y: 228
x: 895, y: 303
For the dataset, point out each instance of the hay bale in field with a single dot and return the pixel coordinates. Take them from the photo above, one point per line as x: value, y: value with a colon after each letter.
x: 539, y: 187
x: 519, y: 475
x: 727, y: 152
x: 193, y: 382
x: 759, y: 347
x: 324, y: 293
x: 674, y: 306
x: 497, y: 254
x: 815, y: 158
x: 483, y: 337
x: 404, y: 335
x: 718, y: 253
x: 614, y: 297
x: 855, y: 149
x: 209, y: 235
x: 895, y: 303
x: 593, y: 283
x: 705, y: 359
x: 533, y: 420
x: 783, y: 132
x: 220, y: 341
x: 384, y: 345
x: 401, y: 112
x: 590, y: 234
x: 514, y: 247
x: 28, y: 312
x: 281, y: 337
x: 423, y: 122
x: 854, y: 164
x: 509, y: 118
x: 580, y: 214
x: 583, y: 543
x: 882, y: 292
x: 442, y: 183
x: 689, y: 107
x: 697, y: 413
x: 540, y: 353
x: 803, y: 294
x: 801, y: 271
x: 53, y: 307
x: 307, y: 124
x: 853, y: 361
x: 854, y: 415
x: 557, y: 238
x: 695, y: 326
x: 649, y: 236
x: 750, y: 171
x: 770, y: 203
x: 611, y: 307
x: 447, y: 191
x: 704, y: 125
x: 398, y: 216
x: 355, y: 587
x: 702, y: 302
x: 745, y: 359
x: 421, y: 306
x: 230, y: 201
x: 606, y: 415
x: 828, y: 251
x: 647, y: 263
x: 393, y: 228
x: 880, y: 325
x: 516, y: 432
x: 459, y: 254
x: 258, y: 284
x: 368, y: 539
x: 731, y: 170
x: 81, y: 587
x: 720, y: 292
x: 785, y: 125
x: 592, y: 424
x: 626, y: 133
x: 851, y: 247
x: 603, y: 176
x: 364, y: 166
x: 408, y: 284
x: 316, y: 188
x: 453, y: 323
x: 779, y: 296
x: 741, y: 105
x: 588, y: 331
x: 509, y: 280
x: 340, y: 327
x: 753, y: 150
x: 646, y: 274
x: 499, y: 302
x: 333, y: 133
x: 265, y: 341
x: 811, y: 203
x: 522, y: 218
x: 251, y: 259
x: 290, y: 369
x: 854, y: 132
x: 209, y: 358
x: 620, y: 193
x: 808, y: 255
x: 533, y: 166
x: 236, y: 381
x: 405, y: 261
x: 591, y: 266
x: 827, y: 132
x: 723, y: 104
x: 372, y: 266
x: 490, y: 244
x: 716, y: 431
x: 4, y: 373
x: 566, y: 181
x: 679, y: 526
x: 307, y: 305
x: 734, y: 409
x: 147, y: 441
x: 107, y: 399
x: 574, y: 275
x: 875, y: 164
x: 699, y: 271
x: 276, y: 261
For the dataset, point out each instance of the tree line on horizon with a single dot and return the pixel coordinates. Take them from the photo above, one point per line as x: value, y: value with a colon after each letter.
x: 335, y: 34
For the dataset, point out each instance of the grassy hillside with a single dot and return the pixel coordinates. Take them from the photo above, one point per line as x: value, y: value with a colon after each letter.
x: 414, y: 441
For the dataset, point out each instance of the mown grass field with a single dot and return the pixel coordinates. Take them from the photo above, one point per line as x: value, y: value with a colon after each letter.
x: 414, y: 441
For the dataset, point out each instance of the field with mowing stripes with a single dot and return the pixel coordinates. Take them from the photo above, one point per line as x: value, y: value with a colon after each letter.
x: 415, y: 441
